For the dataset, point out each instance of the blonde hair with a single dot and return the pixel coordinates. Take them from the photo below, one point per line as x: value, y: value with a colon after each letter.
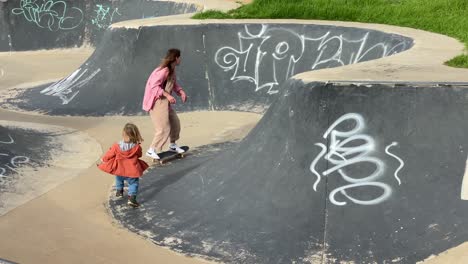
x: 132, y: 132
x: 171, y: 56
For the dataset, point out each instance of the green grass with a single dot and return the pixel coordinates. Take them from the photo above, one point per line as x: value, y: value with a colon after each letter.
x: 460, y: 61
x: 448, y: 17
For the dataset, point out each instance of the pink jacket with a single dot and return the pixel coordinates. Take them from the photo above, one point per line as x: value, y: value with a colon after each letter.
x: 154, y: 87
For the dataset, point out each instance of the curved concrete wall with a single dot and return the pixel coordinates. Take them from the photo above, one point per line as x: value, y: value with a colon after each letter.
x: 48, y: 24
x: 333, y: 173
x: 33, y: 158
x: 241, y: 68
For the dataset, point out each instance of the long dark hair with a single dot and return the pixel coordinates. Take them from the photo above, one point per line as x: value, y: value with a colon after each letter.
x: 171, y: 56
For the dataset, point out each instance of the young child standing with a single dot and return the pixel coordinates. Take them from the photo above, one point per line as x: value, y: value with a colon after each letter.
x: 122, y: 160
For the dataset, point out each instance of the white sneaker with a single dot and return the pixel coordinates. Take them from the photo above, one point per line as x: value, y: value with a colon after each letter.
x: 152, y: 154
x: 175, y: 148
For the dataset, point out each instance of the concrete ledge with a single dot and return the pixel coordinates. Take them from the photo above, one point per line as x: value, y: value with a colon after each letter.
x: 423, y: 62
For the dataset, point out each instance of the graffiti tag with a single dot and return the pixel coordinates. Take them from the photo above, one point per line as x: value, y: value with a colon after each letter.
x: 50, y: 14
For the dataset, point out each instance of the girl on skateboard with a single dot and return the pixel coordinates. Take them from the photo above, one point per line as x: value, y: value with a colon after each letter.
x: 122, y: 160
x: 157, y: 101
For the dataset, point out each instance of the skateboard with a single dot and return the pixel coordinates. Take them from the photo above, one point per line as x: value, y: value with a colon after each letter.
x: 169, y: 155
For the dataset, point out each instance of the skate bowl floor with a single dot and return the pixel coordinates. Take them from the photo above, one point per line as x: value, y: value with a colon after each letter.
x: 354, y: 162
x: 36, y: 158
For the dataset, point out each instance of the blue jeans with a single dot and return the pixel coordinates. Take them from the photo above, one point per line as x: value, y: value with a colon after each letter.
x: 132, y: 184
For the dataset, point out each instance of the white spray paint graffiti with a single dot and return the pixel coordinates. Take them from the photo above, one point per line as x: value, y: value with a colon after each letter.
x: 9, y: 43
x: 270, y: 56
x: 10, y: 141
x: 64, y: 88
x: 14, y: 162
x: 464, y: 187
x: 402, y: 163
x: 344, y: 152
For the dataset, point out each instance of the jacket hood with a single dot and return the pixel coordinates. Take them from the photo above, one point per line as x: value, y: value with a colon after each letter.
x: 126, y: 153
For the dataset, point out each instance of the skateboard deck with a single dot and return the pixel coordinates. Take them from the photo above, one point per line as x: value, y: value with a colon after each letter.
x: 169, y: 155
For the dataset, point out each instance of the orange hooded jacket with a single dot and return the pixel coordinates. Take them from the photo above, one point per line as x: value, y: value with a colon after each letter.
x: 123, y: 163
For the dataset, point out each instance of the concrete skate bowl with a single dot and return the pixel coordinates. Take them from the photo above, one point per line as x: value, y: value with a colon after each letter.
x: 41, y: 24
x: 35, y: 158
x: 334, y: 172
x: 241, y: 69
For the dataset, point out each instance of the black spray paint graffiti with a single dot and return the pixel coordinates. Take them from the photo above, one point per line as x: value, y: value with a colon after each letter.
x: 14, y: 162
x: 50, y: 14
x: 269, y: 57
x: 350, y: 148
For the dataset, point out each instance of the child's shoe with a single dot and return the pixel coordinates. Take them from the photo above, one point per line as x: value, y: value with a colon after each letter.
x: 132, y: 201
x: 119, y: 193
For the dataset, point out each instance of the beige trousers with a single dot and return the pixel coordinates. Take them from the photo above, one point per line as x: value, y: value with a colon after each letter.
x: 166, y: 124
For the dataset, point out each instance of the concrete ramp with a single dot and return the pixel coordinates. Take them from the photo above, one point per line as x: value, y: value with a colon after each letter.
x: 224, y: 67
x: 43, y: 24
x: 35, y: 158
x: 333, y: 173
